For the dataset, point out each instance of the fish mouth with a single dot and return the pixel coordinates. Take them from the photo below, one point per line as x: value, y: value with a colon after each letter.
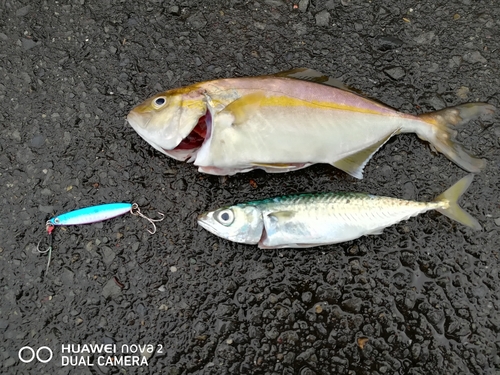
x: 186, y: 149
x: 203, y: 221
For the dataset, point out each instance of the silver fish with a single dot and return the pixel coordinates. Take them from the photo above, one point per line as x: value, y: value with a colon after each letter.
x: 308, y: 220
x: 285, y: 122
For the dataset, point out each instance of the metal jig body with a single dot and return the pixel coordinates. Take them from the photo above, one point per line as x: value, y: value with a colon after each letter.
x: 93, y: 214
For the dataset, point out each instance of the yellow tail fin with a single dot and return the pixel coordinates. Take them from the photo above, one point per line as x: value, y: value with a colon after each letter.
x: 443, y: 136
x: 454, y: 211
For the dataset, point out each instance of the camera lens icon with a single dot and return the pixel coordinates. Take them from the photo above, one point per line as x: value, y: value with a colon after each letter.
x: 27, y: 354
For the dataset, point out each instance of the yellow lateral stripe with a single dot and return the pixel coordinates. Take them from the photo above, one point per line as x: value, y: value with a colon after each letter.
x: 285, y: 101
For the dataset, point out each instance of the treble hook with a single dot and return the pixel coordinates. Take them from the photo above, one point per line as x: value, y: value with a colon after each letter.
x: 49, y: 227
x: 136, y: 211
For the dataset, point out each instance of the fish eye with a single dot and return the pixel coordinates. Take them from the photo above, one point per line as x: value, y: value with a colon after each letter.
x: 57, y: 220
x: 160, y: 101
x: 225, y: 217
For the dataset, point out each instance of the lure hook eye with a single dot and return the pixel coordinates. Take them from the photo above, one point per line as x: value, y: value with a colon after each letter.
x: 137, y: 212
x: 42, y: 251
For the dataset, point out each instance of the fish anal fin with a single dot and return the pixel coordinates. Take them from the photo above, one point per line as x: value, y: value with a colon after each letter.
x: 355, y: 163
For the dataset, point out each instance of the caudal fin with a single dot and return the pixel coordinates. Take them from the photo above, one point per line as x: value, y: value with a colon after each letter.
x: 453, y: 210
x: 443, y: 135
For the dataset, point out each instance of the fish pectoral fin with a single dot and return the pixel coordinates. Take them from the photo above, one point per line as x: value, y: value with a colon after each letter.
x: 244, y: 107
x: 355, y: 163
x: 277, y: 216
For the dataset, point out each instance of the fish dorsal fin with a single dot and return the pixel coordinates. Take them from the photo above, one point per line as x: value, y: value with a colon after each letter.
x: 306, y: 74
x: 355, y: 163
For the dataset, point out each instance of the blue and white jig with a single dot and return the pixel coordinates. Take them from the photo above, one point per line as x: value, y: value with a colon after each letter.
x: 94, y: 214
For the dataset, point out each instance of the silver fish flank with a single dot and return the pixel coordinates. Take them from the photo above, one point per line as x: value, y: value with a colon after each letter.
x: 308, y: 220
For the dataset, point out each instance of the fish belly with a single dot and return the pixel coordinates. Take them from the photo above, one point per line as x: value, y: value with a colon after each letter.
x: 282, y: 135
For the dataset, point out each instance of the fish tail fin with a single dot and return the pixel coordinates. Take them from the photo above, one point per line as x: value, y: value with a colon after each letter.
x: 452, y: 209
x: 442, y: 133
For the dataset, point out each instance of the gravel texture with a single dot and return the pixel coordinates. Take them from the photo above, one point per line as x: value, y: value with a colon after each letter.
x: 422, y: 298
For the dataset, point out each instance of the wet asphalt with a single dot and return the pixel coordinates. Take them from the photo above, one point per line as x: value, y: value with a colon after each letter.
x: 422, y: 298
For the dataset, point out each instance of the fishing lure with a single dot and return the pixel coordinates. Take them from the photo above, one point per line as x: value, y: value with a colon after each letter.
x: 94, y: 214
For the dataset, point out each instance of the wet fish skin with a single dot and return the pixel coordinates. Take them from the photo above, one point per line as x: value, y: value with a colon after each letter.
x: 288, y: 121
x: 308, y: 220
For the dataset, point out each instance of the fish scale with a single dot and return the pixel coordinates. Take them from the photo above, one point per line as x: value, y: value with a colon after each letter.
x: 342, y: 202
x: 333, y: 217
x: 308, y: 220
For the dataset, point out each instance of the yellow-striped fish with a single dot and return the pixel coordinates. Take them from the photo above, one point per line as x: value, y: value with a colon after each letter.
x: 308, y: 220
x: 285, y: 122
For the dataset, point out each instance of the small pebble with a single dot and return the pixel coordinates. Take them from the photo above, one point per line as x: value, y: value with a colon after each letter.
x: 330, y: 4
x: 303, y: 5
x: 46, y: 209
x: 111, y: 289
x: 274, y: 3
x: 474, y: 57
x: 463, y: 92
x: 396, y: 72
x: 9, y: 362
x: 175, y: 10
x: 425, y: 38
x: 323, y: 18
x: 362, y: 341
x: 27, y: 44
x: 21, y: 12
x: 388, y: 42
x: 38, y: 141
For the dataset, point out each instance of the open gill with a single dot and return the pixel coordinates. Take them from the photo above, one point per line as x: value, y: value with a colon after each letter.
x: 200, y: 132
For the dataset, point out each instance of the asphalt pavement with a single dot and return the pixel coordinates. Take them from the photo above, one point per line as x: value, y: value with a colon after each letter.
x: 421, y: 298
